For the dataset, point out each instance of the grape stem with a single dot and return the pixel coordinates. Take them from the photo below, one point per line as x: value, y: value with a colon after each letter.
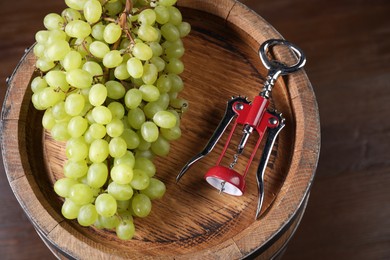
x: 123, y: 23
x: 109, y: 19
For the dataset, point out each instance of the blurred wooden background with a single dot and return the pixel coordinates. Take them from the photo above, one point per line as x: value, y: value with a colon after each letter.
x: 347, y: 43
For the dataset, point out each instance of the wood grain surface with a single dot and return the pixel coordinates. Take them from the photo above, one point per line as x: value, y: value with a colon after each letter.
x: 347, y: 44
x: 193, y: 220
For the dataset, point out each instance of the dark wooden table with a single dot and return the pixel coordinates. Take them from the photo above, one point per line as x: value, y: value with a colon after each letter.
x: 347, y: 44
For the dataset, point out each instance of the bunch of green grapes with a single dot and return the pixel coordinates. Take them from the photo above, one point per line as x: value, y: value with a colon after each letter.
x: 109, y: 83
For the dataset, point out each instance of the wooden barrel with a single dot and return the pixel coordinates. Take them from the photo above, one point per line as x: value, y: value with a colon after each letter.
x: 192, y: 220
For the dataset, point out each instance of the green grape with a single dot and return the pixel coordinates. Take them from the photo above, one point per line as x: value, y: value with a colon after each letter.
x: 122, y: 208
x: 160, y: 147
x: 120, y: 192
x: 98, y: 151
x: 72, y: 60
x: 58, y: 112
x: 112, y: 33
x: 184, y: 29
x: 44, y: 65
x: 42, y: 36
x: 115, y: 127
x: 89, y: 118
x: 140, y: 180
x: 102, y: 115
x: 48, y: 120
x: 125, y: 44
x: 74, y: 104
x: 87, y: 215
x: 147, y: 33
x: 174, y: 50
x: 76, y: 149
x: 109, y: 222
x: 155, y: 190
x: 117, y: 147
x: 163, y: 101
x: 143, y: 145
x: 75, y: 169
x: 152, y: 108
x: 76, y: 4
x: 122, y: 173
x: 175, y: 16
x: 127, y: 159
x: 70, y: 210
x: 37, y: 84
x: 179, y: 103
x: 99, y: 49
x: 170, y: 32
x: 115, y: 90
x: 125, y: 229
x: 98, y: 31
x: 113, y: 8
x: 57, y: 50
x: 135, y: 67
x: 97, y: 175
x: 70, y: 14
x: 57, y: 79
x: 176, y: 82
x: 156, y: 49
x: 117, y: 110
x: 105, y: 205
x: 147, y: 16
x: 78, y: 29
x: 167, y: 2
x: 150, y: 74
x: 131, y: 138
x: 77, y: 126
x: 158, y: 62
x: 81, y: 194
x: 93, y: 68
x: 50, y: 96
x: 82, y: 45
x: 174, y: 66
x: 53, y: 21
x: 39, y: 50
x: 149, y: 131
x: 145, y: 165
x: 171, y: 134
x: 173, y: 95
x: 136, y: 117
x: 62, y: 186
x: 79, y: 78
x: 121, y: 72
x: 162, y: 14
x: 92, y: 11
x: 142, y: 51
x: 112, y: 59
x: 97, y: 94
x: 141, y: 205
x: 144, y: 153
x: 149, y: 92
x: 133, y: 98
x: 98, y: 224
x: 97, y: 131
x: 164, y: 119
x: 56, y: 36
x: 59, y: 131
x: 88, y: 137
